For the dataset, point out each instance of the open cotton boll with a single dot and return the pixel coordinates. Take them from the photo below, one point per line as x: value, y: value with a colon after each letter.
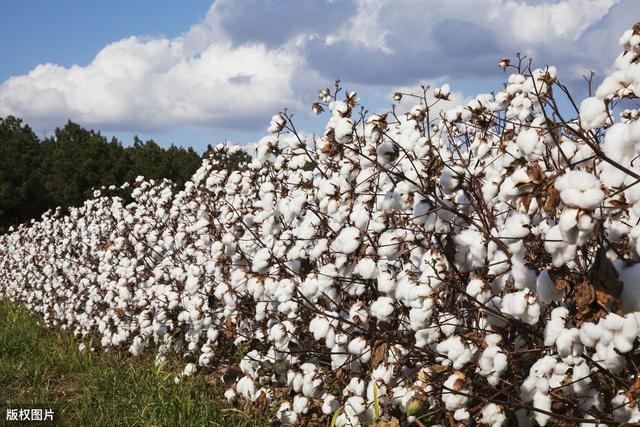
x: 471, y: 249
x: 390, y: 244
x: 453, y: 400
x: 521, y: 305
x: 382, y: 308
x: 261, y: 261
x: 277, y: 124
x: 579, y: 189
x: 347, y: 241
x: 493, y: 415
x: 528, y: 141
x: 546, y: 289
x: 455, y: 350
x: 560, y: 251
x: 343, y: 130
x: 493, y: 361
x: 286, y: 415
x: 366, y: 268
x: 593, y: 113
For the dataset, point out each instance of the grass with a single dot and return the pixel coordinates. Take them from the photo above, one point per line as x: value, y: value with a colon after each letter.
x: 40, y: 367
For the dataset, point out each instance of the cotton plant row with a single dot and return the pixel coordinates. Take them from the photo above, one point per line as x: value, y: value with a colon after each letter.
x: 477, y: 266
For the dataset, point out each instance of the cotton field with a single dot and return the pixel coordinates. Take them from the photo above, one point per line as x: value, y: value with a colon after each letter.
x: 475, y: 266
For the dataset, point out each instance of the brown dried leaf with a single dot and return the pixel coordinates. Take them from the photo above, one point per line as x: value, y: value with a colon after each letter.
x: 552, y: 201
x: 379, y: 354
x: 634, y: 392
x: 585, y: 295
x: 228, y: 327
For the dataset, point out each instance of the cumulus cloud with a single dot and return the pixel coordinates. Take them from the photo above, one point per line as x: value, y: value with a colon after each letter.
x: 244, y: 62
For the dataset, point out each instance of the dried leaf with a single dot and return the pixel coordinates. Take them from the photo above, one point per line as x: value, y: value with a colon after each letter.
x: 585, y: 295
x: 379, y: 354
x: 634, y: 392
x: 552, y: 201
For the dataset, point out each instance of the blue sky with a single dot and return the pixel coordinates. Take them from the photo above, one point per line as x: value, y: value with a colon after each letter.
x: 196, y: 72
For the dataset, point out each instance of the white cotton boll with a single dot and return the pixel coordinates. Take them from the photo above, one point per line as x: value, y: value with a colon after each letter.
x: 590, y: 334
x: 471, y: 249
x: 555, y: 326
x: 390, y: 244
x: 493, y: 415
x: 546, y: 289
x: 452, y: 400
x: 461, y: 415
x: 277, y: 124
x: 366, y: 268
x: 521, y: 305
x: 343, y: 130
x: 479, y: 290
x: 382, y: 308
x: 576, y: 179
x: 630, y: 327
x: 357, y: 346
x: 246, y: 388
x: 319, y: 327
x: 286, y: 415
x: 542, y: 401
x: 329, y: 404
x: 300, y: 404
x: 528, y: 142
x: 593, y: 113
x: 347, y: 241
x: 622, y: 344
x: 442, y: 92
x: 613, y: 322
x: 567, y: 343
x: 354, y: 406
x: 189, y: 369
x: 630, y: 276
x: 560, y: 251
x: 261, y: 261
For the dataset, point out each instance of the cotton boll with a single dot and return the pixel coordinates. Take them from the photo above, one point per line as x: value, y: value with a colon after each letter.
x: 479, y: 290
x: 590, y: 334
x: 521, y: 305
x: 555, y: 326
x: 347, y: 241
x: 286, y: 415
x: 300, y: 404
x: 529, y: 144
x: 261, y: 261
x: 452, y: 400
x: 457, y: 353
x: 390, y: 244
x: 471, y: 249
x: 358, y: 347
x: 366, y: 268
x: 546, y: 289
x: 493, y: 361
x: 493, y: 415
x: 329, y: 404
x: 382, y: 308
x: 593, y: 113
x: 542, y: 401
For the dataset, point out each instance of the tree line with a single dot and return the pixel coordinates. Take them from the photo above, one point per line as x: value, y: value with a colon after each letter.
x: 62, y: 169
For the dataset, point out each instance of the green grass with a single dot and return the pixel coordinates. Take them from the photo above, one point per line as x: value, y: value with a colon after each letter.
x: 40, y: 367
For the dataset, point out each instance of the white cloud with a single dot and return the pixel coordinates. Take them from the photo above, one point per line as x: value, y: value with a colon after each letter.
x: 242, y: 64
x: 156, y: 84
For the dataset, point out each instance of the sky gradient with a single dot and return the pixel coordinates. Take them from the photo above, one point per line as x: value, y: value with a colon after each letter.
x: 198, y: 72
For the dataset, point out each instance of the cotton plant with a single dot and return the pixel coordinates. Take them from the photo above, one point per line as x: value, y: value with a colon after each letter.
x: 480, y: 265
